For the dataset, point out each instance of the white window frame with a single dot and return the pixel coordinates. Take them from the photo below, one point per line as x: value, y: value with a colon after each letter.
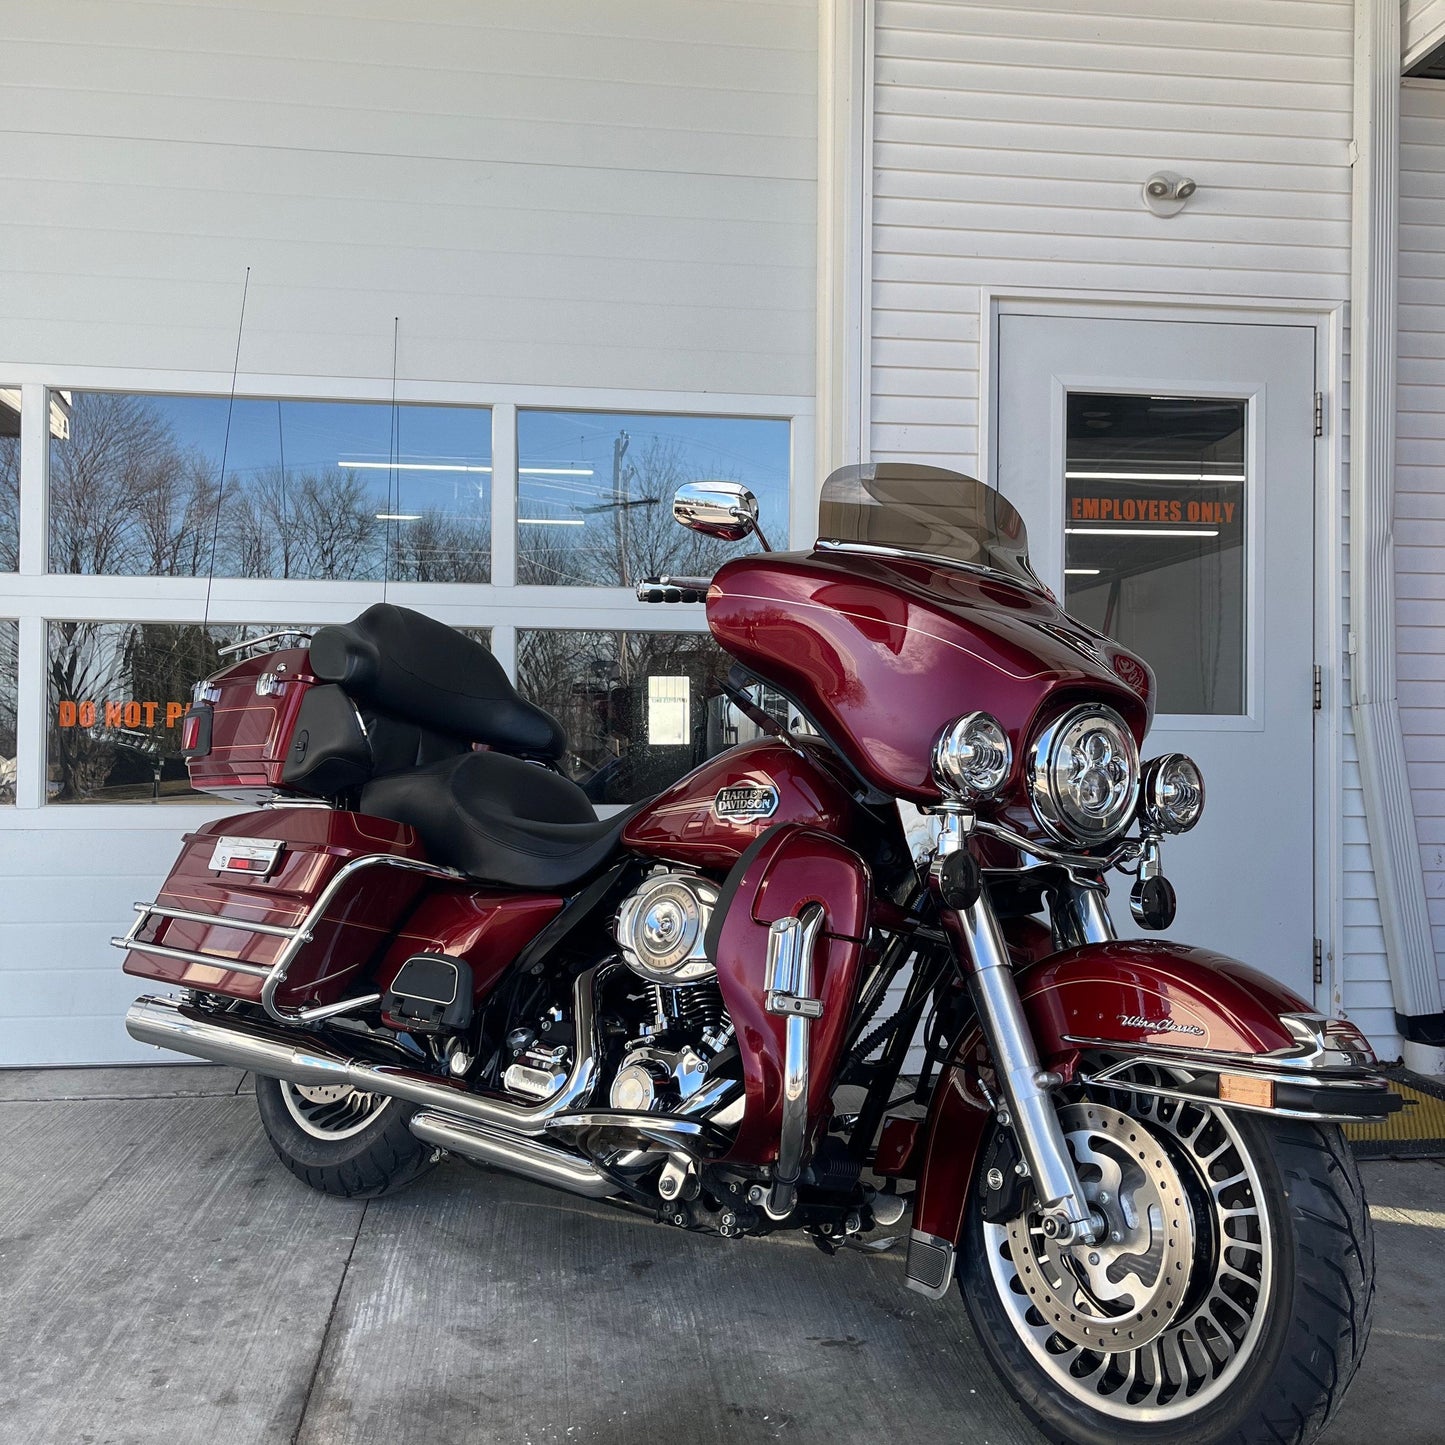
x: 35, y: 597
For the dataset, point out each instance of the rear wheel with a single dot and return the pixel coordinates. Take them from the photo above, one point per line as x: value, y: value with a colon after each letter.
x: 342, y: 1140
x: 1229, y: 1300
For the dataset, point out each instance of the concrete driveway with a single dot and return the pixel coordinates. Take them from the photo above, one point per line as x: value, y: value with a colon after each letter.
x: 163, y: 1281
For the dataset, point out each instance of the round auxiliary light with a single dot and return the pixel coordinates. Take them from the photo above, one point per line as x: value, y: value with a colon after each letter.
x: 1083, y: 775
x: 1173, y: 793
x: 972, y: 757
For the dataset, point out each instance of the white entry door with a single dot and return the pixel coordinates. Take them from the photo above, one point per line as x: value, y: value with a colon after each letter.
x: 1165, y: 471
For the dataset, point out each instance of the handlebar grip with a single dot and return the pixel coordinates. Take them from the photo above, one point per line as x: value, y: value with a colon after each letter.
x: 673, y: 589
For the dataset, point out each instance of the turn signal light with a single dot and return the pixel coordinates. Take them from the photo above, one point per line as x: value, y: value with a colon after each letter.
x: 196, y: 731
x: 972, y: 757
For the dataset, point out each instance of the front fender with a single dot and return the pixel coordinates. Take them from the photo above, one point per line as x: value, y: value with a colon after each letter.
x: 1128, y: 993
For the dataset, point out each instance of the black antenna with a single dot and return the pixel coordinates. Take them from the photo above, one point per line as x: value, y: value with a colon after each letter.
x: 225, y: 448
x: 393, y: 491
x: 285, y: 509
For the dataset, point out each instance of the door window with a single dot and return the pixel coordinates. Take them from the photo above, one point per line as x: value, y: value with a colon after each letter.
x: 1154, y: 538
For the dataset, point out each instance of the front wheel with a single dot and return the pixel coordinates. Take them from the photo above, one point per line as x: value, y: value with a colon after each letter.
x: 1228, y: 1302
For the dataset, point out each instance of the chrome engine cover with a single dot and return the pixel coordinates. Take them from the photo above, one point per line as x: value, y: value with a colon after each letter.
x: 660, y: 928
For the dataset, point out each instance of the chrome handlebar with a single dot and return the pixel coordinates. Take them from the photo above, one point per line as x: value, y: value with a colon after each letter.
x: 673, y: 589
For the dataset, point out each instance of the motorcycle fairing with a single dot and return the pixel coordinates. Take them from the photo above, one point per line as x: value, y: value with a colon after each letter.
x: 788, y: 868
x: 1137, y: 995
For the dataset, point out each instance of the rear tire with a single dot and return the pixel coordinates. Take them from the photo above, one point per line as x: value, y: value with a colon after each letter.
x: 1292, y: 1339
x: 340, y: 1140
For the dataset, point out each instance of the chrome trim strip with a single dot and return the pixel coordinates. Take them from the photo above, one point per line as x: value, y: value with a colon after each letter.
x: 789, y: 983
x: 1222, y: 1061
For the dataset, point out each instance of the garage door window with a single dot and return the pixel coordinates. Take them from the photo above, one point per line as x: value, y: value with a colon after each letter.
x: 313, y: 489
x: 594, y: 492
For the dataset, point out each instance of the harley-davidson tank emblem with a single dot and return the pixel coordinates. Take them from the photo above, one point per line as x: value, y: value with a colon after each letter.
x: 1159, y: 1026
x: 745, y: 802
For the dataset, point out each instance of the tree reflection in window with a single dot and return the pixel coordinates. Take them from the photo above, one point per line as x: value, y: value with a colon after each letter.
x: 312, y: 490
x: 595, y: 490
x: 640, y: 708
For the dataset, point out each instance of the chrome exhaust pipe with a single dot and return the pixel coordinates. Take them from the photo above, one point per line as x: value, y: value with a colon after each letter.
x: 515, y: 1154
x: 304, y: 1059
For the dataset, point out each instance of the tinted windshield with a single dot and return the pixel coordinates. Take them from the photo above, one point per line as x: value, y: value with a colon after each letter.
x: 929, y: 511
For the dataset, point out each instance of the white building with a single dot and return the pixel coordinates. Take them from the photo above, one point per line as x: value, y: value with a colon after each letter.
x: 588, y: 248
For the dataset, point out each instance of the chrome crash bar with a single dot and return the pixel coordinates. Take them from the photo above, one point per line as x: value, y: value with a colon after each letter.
x: 296, y: 937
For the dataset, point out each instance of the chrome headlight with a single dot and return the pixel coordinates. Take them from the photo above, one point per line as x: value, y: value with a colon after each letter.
x: 1173, y: 793
x: 973, y: 756
x: 1083, y: 776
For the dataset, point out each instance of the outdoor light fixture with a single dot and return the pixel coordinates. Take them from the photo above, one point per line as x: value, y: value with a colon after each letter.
x: 1165, y: 192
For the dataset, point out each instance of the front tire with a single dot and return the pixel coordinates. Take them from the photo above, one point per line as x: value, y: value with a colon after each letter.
x: 1230, y: 1301
x: 341, y: 1140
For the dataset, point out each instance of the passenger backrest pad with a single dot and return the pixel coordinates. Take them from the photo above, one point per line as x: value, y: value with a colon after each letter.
x: 412, y: 667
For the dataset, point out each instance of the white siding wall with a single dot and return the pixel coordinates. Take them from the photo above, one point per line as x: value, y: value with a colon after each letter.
x: 549, y: 194
x: 1420, y: 474
x: 545, y: 191
x: 1010, y: 144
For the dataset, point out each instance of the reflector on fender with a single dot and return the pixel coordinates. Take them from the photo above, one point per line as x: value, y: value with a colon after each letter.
x: 1242, y: 1089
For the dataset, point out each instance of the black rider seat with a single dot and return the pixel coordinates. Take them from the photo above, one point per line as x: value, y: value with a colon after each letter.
x: 500, y: 819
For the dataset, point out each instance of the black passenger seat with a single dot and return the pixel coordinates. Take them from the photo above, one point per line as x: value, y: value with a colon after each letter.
x: 423, y: 693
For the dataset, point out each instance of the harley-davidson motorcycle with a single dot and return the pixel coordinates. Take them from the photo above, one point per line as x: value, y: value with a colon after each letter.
x: 424, y: 941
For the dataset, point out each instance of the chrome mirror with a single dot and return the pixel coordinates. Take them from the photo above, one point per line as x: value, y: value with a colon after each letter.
x: 725, y: 510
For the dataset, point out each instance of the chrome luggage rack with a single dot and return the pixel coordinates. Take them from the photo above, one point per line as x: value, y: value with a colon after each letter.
x: 249, y: 644
x: 297, y: 936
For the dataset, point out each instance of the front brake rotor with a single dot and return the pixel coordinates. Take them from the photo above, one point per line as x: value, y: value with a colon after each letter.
x: 1124, y: 1289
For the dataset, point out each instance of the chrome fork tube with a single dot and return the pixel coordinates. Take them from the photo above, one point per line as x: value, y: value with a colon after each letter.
x: 1081, y: 915
x: 1025, y: 1086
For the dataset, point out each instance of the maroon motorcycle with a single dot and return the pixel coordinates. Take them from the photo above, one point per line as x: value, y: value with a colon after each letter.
x: 424, y: 941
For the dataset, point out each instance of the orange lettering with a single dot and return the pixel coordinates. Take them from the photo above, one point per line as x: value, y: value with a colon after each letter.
x: 175, y: 711
x: 1091, y: 509
x: 1229, y: 511
x: 132, y: 714
x: 112, y: 715
x: 65, y: 715
x: 1077, y: 511
x: 150, y: 709
x: 85, y: 714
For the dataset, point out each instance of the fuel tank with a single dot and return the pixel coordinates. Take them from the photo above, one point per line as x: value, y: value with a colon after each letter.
x: 881, y: 652
x: 708, y: 818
